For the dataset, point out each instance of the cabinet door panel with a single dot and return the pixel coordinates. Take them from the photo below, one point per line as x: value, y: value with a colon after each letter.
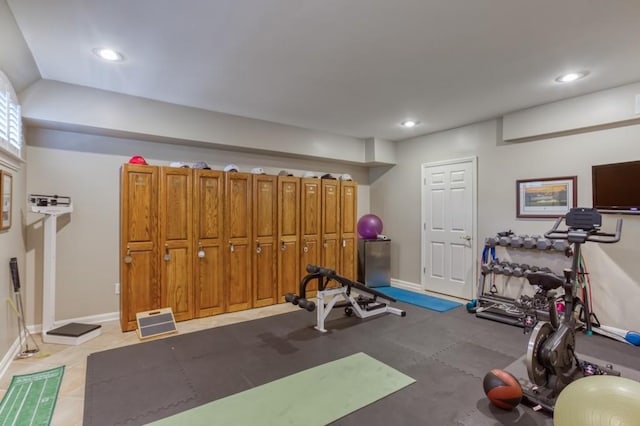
x: 348, y: 257
x: 209, y: 283
x: 176, y: 241
x: 239, y: 205
x: 265, y: 278
x: 330, y: 229
x: 310, y: 208
x: 208, y: 269
x: 348, y: 230
x: 135, y: 296
x: 239, y: 273
x: 139, y: 217
x: 288, y: 263
x: 209, y: 199
x: 239, y: 246
x: 177, y: 272
x: 139, y: 276
x: 310, y: 221
x: 288, y: 235
x: 310, y: 256
x: 176, y: 203
x: 265, y: 210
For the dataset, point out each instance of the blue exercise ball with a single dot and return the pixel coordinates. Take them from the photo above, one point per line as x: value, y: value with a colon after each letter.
x: 369, y: 226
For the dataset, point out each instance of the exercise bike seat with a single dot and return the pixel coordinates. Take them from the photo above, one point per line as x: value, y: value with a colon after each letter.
x: 545, y: 280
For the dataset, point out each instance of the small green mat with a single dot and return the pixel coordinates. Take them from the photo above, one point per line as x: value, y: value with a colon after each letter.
x: 317, y: 396
x: 31, y: 398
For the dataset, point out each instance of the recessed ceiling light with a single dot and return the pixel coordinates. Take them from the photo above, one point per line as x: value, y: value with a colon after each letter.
x: 572, y: 76
x: 108, y: 54
x: 409, y: 123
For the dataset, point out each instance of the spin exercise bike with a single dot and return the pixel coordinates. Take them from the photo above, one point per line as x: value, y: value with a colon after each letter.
x: 354, y: 297
x: 552, y: 362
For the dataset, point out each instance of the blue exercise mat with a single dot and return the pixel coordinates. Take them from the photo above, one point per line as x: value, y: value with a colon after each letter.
x: 418, y: 299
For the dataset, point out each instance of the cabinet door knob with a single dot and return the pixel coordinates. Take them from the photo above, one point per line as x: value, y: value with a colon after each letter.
x: 283, y: 246
x: 258, y: 248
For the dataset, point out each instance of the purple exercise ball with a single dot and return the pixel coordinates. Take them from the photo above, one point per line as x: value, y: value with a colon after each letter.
x: 369, y: 226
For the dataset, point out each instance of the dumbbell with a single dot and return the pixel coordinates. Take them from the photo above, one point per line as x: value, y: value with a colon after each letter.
x: 559, y: 245
x: 491, y: 241
x: 517, y: 241
x: 507, y: 269
x: 486, y: 268
x: 504, y: 240
x: 498, y: 268
x: 530, y: 242
x: 545, y: 269
x: 543, y: 243
x: 519, y: 270
x: 534, y: 268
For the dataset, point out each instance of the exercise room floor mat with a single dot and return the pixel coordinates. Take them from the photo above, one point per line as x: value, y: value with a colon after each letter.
x: 336, y: 389
x: 419, y: 299
x: 31, y: 398
x: 447, y: 354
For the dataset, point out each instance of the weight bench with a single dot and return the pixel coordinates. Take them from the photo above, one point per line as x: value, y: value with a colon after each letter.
x: 355, y: 297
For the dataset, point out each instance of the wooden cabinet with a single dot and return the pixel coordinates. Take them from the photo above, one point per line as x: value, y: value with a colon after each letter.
x: 265, y: 234
x: 208, y: 264
x: 204, y: 242
x: 288, y: 235
x: 330, y: 228
x: 348, y: 229
x: 139, y: 277
x: 310, y: 217
x: 238, y: 215
x: 176, y: 243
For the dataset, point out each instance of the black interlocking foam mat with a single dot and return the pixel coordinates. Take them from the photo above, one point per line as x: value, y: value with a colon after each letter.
x: 447, y: 353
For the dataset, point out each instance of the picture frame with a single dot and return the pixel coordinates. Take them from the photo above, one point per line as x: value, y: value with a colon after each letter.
x: 6, y: 193
x: 546, y: 197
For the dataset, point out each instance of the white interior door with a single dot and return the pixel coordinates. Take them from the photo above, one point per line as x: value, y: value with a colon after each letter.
x: 448, y: 212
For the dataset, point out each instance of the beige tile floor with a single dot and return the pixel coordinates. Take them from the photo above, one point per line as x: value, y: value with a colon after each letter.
x: 69, y: 408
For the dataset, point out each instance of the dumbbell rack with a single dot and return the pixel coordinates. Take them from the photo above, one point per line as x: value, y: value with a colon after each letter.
x: 505, y: 309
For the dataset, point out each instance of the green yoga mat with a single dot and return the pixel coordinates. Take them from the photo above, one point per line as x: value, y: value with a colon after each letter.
x: 31, y: 398
x: 317, y: 396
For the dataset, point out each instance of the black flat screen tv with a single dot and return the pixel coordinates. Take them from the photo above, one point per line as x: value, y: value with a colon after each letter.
x: 616, y: 187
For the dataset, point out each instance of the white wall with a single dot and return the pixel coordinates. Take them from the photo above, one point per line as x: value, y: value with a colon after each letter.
x: 65, y: 106
x: 18, y: 65
x: 87, y: 168
x: 12, y: 244
x: 615, y: 270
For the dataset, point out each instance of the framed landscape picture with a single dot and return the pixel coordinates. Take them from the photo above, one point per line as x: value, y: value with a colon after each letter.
x: 546, y: 197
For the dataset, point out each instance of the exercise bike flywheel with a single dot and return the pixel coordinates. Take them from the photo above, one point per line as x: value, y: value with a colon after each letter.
x: 537, y: 371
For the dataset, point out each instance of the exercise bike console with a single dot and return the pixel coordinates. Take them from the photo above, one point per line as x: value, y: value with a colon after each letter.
x: 552, y: 362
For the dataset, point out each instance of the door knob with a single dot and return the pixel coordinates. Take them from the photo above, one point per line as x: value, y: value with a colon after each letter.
x: 466, y: 237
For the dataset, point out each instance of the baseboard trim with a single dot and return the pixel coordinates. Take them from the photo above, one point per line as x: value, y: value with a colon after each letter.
x: 406, y: 285
x: 9, y: 356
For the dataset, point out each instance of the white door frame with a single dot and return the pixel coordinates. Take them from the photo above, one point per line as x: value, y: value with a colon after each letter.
x: 474, y: 217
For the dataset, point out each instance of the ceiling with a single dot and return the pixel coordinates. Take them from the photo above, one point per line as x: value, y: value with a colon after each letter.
x: 351, y: 67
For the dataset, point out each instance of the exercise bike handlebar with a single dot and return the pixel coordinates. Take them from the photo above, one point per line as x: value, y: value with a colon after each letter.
x: 594, y: 235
